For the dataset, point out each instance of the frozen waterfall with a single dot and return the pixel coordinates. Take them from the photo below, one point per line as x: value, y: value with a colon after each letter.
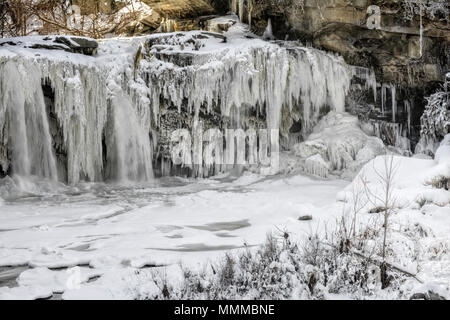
x: 100, y: 122
x: 82, y: 105
x: 23, y: 117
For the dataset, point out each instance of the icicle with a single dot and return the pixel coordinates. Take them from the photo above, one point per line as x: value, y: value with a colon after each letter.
x: 241, y: 10
x: 315, y: 165
x: 133, y: 157
x: 368, y: 75
x: 383, y: 98
x: 234, y: 6
x: 421, y: 30
x: 29, y: 135
x: 168, y: 25
x: 268, y: 33
x: 250, y: 12
x: 391, y: 133
x: 394, y: 102
x: 408, y: 111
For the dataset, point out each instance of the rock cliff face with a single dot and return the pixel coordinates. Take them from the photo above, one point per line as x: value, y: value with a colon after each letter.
x: 393, y: 49
x: 181, y: 8
x: 407, y: 44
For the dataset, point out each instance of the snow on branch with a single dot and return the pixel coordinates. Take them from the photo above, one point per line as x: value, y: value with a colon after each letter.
x: 431, y: 8
x: 435, y: 120
x: 82, y: 17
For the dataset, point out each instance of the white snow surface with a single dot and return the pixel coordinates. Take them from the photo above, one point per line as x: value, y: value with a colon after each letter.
x: 416, y: 206
x: 121, y: 235
x: 116, y: 231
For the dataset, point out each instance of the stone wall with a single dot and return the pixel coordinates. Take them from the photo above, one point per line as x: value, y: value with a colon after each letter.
x: 394, y: 50
x: 342, y: 26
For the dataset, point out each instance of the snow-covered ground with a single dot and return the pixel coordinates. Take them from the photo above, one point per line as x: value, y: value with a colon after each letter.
x: 117, y: 230
x: 119, y: 235
x: 96, y: 240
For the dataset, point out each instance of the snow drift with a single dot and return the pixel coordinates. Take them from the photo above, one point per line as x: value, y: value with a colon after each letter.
x: 337, y: 146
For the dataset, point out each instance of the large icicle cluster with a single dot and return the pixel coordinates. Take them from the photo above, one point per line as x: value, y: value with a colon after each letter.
x: 80, y: 107
x: 86, y: 104
x: 244, y: 72
x: 105, y: 109
x: 24, y: 120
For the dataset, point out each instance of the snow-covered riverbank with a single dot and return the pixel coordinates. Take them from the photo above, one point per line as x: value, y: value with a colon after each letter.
x: 120, y: 235
x: 115, y: 230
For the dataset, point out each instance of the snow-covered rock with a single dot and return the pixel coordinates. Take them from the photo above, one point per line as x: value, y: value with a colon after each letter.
x: 440, y: 175
x: 337, y: 145
x: 72, y: 44
x: 443, y: 152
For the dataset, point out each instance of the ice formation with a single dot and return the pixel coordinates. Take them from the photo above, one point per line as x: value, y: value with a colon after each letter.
x: 317, y: 166
x: 369, y: 78
x: 337, y: 145
x: 82, y: 99
x: 408, y: 109
x: 105, y: 109
x: 253, y: 73
x: 238, y: 7
x: 394, y: 102
x: 268, y: 33
x: 421, y: 30
x: 23, y: 115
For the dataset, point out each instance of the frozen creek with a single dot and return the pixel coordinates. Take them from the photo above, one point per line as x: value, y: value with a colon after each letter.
x: 67, y: 118
x: 114, y: 230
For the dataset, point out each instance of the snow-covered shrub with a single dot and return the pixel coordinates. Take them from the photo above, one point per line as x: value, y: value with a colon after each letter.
x: 430, y: 8
x: 270, y: 272
x: 440, y: 182
x: 281, y: 269
x: 435, y: 121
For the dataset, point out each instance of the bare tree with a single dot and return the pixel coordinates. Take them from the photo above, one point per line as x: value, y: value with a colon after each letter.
x: 15, y: 15
x: 384, y: 202
x: 77, y: 17
x: 3, y: 17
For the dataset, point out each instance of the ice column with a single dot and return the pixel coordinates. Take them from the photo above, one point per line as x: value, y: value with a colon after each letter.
x: 23, y: 111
